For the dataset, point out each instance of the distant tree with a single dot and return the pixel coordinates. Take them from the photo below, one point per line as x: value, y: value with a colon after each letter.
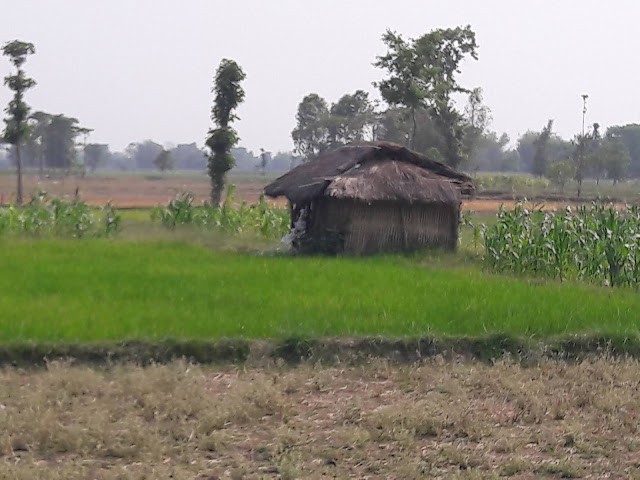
x: 16, y: 128
x: 229, y: 94
x: 164, y: 161
x: 395, y: 125
x: 615, y: 157
x: 560, y: 172
x: 491, y: 154
x: 189, y: 157
x: 311, y: 135
x: 422, y: 74
x: 95, y: 154
x: 541, y: 154
x: 352, y: 118
x: 265, y: 158
x: 477, y: 118
x: 40, y: 123
x: 283, y: 161
x: 59, y: 142
x: 144, y: 154
x: 630, y: 136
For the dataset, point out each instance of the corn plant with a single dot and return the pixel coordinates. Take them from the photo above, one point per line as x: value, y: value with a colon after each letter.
x: 57, y: 217
x: 261, y: 218
x: 597, y: 243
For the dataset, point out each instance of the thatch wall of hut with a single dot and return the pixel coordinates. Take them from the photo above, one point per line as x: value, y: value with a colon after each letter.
x: 367, y: 228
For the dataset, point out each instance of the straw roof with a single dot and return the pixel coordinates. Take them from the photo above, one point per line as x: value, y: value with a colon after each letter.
x: 370, y: 172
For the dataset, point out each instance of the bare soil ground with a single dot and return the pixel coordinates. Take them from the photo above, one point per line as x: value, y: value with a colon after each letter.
x: 132, y: 191
x: 435, y: 420
x: 140, y: 191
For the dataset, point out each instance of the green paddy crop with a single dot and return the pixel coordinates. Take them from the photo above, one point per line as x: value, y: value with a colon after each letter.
x: 96, y: 289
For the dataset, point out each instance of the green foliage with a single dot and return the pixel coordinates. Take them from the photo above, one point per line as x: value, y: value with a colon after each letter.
x: 422, y: 74
x: 164, y: 160
x: 560, y: 172
x: 41, y: 217
x: 630, y: 136
x: 59, y: 141
x: 541, y: 156
x: 261, y: 219
x: 352, y: 118
x: 311, y: 135
x: 228, y: 95
x: 614, y: 156
x: 598, y: 243
x: 94, y: 154
x: 17, y: 128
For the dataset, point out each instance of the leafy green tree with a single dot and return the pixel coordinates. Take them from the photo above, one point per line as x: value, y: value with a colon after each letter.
x: 630, y: 136
x: 491, y: 154
x: 40, y: 122
x: 422, y: 74
x: 395, y: 125
x: 164, y: 161
x: 143, y: 154
x: 352, y: 118
x: 17, y: 128
x: 585, y: 145
x: 229, y: 94
x: 95, y: 154
x: 615, y: 157
x: 189, y: 157
x: 59, y: 142
x: 560, y: 172
x: 541, y: 154
x: 478, y: 117
x: 311, y: 135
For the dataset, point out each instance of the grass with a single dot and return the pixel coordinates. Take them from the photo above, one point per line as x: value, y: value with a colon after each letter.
x: 434, y: 420
x: 100, y: 290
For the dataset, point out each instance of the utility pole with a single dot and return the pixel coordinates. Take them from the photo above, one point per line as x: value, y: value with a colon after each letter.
x: 582, y: 146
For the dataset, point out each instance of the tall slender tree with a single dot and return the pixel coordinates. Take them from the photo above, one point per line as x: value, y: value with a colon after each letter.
x: 541, y: 155
x: 17, y: 127
x: 229, y: 94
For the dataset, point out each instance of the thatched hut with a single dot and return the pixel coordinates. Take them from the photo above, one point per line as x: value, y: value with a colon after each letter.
x: 371, y: 197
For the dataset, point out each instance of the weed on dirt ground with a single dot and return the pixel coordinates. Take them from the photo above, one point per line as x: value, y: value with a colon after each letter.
x: 435, y: 420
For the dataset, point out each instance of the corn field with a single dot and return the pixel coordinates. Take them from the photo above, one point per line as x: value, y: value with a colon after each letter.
x: 261, y: 218
x: 58, y: 217
x: 596, y: 243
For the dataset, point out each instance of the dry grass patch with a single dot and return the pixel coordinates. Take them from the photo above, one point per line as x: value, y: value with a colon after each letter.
x: 437, y: 419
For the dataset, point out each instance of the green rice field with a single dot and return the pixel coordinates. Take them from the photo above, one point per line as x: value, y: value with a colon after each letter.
x: 105, y: 290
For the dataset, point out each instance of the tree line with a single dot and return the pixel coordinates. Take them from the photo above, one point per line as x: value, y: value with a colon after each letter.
x: 418, y: 111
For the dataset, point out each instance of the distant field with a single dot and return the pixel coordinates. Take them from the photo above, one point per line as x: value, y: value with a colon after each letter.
x: 100, y: 290
x: 134, y: 189
x: 147, y: 189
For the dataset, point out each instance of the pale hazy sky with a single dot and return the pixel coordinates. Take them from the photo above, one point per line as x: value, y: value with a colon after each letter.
x: 142, y: 69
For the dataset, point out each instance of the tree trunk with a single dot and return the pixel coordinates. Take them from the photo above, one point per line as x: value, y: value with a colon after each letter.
x: 415, y: 127
x: 19, y: 167
x: 217, y: 187
x: 579, y: 187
